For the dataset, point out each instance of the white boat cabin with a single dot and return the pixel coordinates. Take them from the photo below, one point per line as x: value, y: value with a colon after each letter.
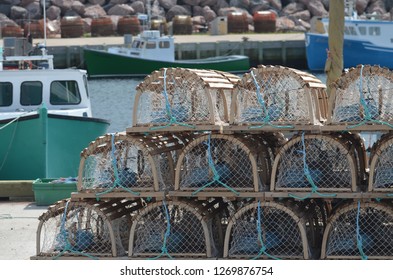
x: 149, y: 45
x: 25, y: 86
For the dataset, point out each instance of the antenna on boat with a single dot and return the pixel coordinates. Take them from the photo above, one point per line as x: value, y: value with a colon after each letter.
x: 148, y: 6
x: 43, y: 47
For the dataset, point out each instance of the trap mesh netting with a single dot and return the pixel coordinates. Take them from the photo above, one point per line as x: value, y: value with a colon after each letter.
x: 171, y: 229
x: 363, y: 95
x: 381, y: 166
x: 276, y: 94
x: 226, y: 162
x: 119, y: 162
x: 319, y: 162
x: 359, y: 230
x: 266, y: 230
x: 90, y: 229
x: 183, y: 97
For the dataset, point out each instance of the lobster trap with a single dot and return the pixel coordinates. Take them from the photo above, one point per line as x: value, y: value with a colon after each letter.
x: 232, y: 163
x: 381, y: 165
x: 266, y: 230
x: 183, y: 98
x: 313, y: 162
x: 359, y: 230
x: 90, y: 229
x: 363, y: 95
x: 276, y: 95
x: 172, y: 229
x: 129, y: 164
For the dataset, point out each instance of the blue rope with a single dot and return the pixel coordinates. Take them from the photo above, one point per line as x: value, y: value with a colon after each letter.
x: 63, y: 237
x: 263, y: 248
x: 168, y: 110
x: 359, y: 239
x: 266, y: 117
x: 216, y: 176
x: 367, y: 114
x: 164, y: 249
x: 306, y: 171
x: 116, y: 173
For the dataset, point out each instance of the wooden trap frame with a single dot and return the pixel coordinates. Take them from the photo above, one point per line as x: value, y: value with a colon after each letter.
x: 359, y: 230
x: 183, y: 99
x: 278, y: 97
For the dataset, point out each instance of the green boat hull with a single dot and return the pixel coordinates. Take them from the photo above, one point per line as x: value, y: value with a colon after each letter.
x: 45, y: 145
x: 104, y: 64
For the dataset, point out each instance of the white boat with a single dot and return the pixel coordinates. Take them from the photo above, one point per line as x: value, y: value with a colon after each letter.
x: 45, y: 115
x: 366, y: 41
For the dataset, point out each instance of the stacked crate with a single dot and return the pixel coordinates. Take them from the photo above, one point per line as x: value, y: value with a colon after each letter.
x: 218, y: 166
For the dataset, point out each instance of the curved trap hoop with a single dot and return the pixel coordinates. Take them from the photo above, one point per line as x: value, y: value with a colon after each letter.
x: 183, y: 97
x: 381, y: 165
x: 231, y: 163
x: 359, y: 231
x: 88, y: 229
x: 172, y: 229
x: 273, y: 231
x: 278, y: 96
x: 363, y: 95
x: 315, y: 162
x: 125, y: 163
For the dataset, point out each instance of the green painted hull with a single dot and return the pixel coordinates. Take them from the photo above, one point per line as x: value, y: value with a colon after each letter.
x: 45, y: 145
x: 104, y: 64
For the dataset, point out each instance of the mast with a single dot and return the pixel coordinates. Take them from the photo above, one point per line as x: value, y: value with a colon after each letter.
x: 334, y: 62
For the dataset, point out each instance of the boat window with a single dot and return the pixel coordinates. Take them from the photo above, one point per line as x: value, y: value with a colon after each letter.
x: 362, y: 30
x: 374, y: 31
x: 350, y: 30
x: 5, y: 94
x: 64, y: 92
x: 151, y: 45
x: 135, y: 44
x: 164, y: 44
x: 86, y: 85
x: 31, y: 93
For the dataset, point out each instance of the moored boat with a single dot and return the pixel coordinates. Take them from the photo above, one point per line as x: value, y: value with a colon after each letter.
x: 149, y: 51
x: 45, y: 115
x: 366, y: 41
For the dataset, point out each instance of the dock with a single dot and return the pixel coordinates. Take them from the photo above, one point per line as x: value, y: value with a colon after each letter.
x: 286, y: 49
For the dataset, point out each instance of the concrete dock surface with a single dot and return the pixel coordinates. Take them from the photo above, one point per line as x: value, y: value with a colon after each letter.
x: 202, y: 38
x: 18, y: 227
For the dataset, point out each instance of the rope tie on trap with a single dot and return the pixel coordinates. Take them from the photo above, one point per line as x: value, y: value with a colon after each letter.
x: 307, y: 174
x: 265, y: 111
x: 164, y: 249
x: 63, y: 237
x: 168, y: 110
x: 117, y: 181
x: 359, y: 238
x: 365, y: 106
x: 216, y: 176
x: 262, y: 250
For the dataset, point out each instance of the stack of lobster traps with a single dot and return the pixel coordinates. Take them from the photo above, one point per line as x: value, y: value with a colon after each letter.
x: 219, y: 166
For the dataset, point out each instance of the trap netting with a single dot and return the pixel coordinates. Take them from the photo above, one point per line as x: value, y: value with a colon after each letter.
x: 89, y: 229
x: 279, y: 95
x: 363, y: 95
x: 185, y: 97
x: 217, y: 162
x: 312, y: 162
x: 120, y: 162
x: 171, y: 229
x: 359, y: 230
x: 381, y: 165
x: 266, y: 230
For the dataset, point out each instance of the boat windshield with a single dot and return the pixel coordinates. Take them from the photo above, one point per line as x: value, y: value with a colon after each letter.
x: 64, y: 92
x: 5, y: 94
x: 31, y: 93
